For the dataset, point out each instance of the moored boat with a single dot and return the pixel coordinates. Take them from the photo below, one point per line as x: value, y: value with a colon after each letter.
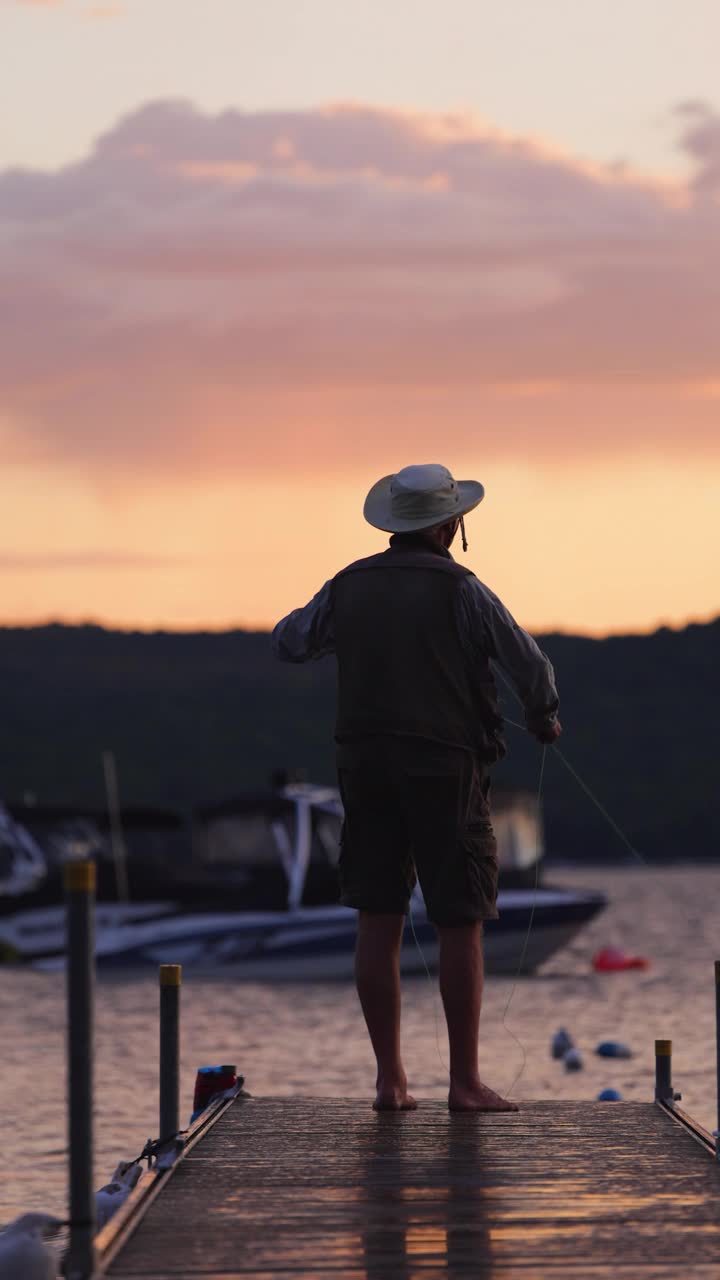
x: 286, y: 852
x: 318, y: 942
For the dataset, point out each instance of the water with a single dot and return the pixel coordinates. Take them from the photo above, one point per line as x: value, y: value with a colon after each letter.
x: 310, y: 1039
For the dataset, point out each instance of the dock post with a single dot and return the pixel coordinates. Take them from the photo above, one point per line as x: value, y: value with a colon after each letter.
x: 170, y: 980
x: 663, y: 1071
x: 717, y: 1054
x: 79, y: 882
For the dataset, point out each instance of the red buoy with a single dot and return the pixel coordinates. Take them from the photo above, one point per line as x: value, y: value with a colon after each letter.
x: 613, y: 960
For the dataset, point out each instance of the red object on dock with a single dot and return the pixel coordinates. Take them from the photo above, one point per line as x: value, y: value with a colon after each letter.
x: 612, y: 960
x: 212, y: 1080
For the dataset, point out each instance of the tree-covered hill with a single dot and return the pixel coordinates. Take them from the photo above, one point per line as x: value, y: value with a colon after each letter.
x: 198, y: 717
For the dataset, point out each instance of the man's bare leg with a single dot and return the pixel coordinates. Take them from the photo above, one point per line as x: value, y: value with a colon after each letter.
x: 461, y: 987
x: 377, y: 974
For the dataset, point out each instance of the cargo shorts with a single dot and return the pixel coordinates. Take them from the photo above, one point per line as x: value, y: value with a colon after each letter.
x: 416, y: 809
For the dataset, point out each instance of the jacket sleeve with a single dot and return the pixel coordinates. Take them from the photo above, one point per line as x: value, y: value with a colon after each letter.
x: 494, y: 630
x: 308, y: 632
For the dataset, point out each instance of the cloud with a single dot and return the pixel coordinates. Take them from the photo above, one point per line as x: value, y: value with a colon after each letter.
x: 261, y: 289
x: 700, y: 138
x: 50, y: 561
x: 90, y: 11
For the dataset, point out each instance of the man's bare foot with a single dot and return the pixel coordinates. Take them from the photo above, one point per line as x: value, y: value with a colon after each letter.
x: 477, y: 1097
x: 393, y: 1097
x: 394, y: 1100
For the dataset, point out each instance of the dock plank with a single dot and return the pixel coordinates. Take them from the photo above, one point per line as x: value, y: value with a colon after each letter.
x: 291, y: 1187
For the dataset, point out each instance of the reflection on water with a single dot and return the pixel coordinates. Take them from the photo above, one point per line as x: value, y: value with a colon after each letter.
x: 310, y: 1039
x: 424, y: 1208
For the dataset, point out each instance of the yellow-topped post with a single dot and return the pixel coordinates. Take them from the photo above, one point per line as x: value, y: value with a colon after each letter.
x: 170, y: 983
x: 79, y: 880
x: 80, y: 876
x: 663, y: 1071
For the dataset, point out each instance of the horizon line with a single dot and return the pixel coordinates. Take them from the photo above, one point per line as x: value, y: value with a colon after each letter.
x: 267, y: 628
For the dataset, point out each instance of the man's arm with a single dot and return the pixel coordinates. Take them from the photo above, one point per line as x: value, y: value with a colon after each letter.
x: 499, y: 636
x: 307, y: 632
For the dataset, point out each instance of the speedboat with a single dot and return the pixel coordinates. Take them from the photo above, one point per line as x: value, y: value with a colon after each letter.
x: 318, y: 942
x: 305, y: 935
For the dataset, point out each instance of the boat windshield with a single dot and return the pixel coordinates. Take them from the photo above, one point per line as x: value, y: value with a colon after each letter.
x: 296, y: 827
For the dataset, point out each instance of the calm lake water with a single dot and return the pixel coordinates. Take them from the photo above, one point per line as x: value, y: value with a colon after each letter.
x: 310, y: 1039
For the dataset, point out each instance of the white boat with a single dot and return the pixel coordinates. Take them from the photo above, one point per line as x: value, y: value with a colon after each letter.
x: 318, y: 942
x: 298, y: 940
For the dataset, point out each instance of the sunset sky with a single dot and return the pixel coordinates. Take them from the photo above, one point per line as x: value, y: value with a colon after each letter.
x: 254, y: 256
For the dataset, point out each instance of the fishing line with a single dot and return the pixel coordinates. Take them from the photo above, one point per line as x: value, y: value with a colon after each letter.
x: 443, y: 1063
x: 601, y: 809
x: 611, y: 822
x: 591, y: 796
x: 505, y: 1027
x: 523, y: 953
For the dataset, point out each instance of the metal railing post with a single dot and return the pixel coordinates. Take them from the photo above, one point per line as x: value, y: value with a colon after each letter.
x: 79, y: 883
x: 170, y: 981
x: 717, y: 1054
x: 663, y: 1071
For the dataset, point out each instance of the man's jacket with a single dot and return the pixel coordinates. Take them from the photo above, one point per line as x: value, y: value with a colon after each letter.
x: 414, y: 633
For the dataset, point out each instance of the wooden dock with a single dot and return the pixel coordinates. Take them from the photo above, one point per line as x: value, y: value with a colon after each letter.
x: 306, y: 1187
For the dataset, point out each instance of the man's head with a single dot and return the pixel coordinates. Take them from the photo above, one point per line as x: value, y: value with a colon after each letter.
x: 422, y: 498
x: 445, y: 533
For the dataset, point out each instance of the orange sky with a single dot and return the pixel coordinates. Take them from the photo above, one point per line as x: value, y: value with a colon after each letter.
x: 566, y: 546
x: 221, y: 330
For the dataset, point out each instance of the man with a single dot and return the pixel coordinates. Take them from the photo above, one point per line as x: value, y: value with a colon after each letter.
x: 418, y: 725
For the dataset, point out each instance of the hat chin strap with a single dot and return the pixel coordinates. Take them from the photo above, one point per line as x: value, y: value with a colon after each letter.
x: 462, y: 533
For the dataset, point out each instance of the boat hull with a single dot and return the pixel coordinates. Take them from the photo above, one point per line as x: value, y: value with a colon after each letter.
x: 314, y: 943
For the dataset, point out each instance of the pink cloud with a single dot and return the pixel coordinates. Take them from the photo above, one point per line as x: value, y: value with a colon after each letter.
x: 207, y: 290
x: 701, y: 140
x: 25, y: 562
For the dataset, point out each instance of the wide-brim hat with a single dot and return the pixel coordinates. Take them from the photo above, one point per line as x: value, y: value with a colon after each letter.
x: 420, y: 497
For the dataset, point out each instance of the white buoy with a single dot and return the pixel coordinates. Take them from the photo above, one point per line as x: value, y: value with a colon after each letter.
x: 109, y: 1198
x: 24, y: 1250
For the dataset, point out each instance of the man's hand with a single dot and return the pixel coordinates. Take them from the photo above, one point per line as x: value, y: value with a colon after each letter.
x: 550, y: 733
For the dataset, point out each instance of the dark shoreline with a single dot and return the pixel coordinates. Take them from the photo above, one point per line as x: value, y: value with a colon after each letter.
x: 196, y: 718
